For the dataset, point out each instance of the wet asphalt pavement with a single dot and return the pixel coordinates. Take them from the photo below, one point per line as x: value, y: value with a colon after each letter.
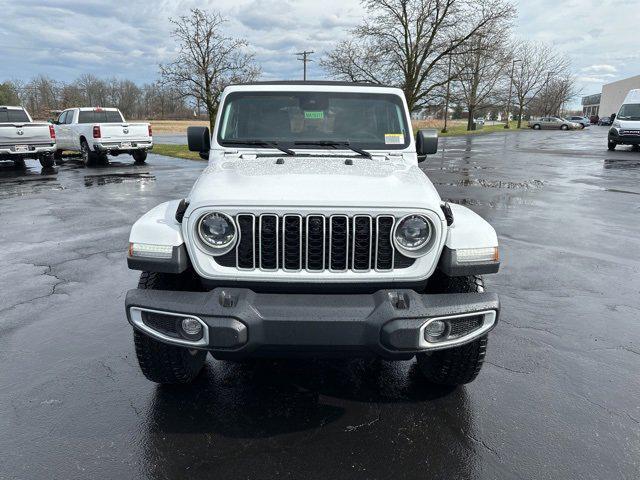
x: 557, y: 398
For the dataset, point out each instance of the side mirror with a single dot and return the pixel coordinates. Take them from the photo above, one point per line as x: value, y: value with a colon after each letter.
x: 199, y: 140
x: 426, y: 143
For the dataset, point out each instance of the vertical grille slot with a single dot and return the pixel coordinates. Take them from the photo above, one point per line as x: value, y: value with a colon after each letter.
x: 245, y: 252
x: 268, y: 244
x: 384, y: 245
x: 339, y: 243
x: 292, y: 242
x: 361, y: 246
x: 315, y: 243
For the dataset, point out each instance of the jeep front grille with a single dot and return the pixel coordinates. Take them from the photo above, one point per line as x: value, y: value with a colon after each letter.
x: 315, y: 243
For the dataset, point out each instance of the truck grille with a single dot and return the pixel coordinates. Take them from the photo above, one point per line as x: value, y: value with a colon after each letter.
x: 315, y: 243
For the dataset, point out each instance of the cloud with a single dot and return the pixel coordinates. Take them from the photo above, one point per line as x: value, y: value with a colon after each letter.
x: 604, y: 68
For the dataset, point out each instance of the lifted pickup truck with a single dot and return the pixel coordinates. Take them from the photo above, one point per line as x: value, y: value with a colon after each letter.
x: 312, y: 232
x: 98, y: 132
x: 22, y: 138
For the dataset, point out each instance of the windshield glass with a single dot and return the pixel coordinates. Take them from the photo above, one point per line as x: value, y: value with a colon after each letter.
x: 10, y: 115
x: 312, y: 119
x: 631, y: 111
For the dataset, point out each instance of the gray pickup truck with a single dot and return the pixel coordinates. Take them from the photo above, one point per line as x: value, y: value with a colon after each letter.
x: 22, y: 138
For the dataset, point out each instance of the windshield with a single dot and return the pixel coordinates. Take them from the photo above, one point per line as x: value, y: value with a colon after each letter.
x: 312, y: 119
x: 630, y: 111
x: 10, y: 116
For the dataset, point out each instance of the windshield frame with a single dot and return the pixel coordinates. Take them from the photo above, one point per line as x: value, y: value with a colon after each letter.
x: 395, y: 98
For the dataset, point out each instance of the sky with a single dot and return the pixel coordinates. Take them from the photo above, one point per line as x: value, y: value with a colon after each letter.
x: 128, y: 39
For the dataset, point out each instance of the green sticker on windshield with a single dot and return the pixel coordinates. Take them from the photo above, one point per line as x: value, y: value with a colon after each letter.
x: 314, y: 115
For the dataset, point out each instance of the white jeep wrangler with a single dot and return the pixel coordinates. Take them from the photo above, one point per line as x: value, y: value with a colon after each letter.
x: 312, y: 232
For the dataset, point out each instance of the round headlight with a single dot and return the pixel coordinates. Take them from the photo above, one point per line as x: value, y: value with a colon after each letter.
x: 413, y: 232
x: 216, y: 230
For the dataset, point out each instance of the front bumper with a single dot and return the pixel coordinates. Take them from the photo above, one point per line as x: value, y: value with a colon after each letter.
x: 240, y: 323
x: 623, y: 137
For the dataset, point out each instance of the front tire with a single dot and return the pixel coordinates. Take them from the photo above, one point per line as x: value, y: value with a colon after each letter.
x: 564, y: 127
x: 160, y: 362
x: 536, y: 127
x: 611, y: 145
x: 139, y: 156
x: 458, y: 365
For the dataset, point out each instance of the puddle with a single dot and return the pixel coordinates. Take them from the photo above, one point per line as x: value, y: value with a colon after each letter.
x: 621, y: 164
x: 468, y: 182
x: 108, y: 178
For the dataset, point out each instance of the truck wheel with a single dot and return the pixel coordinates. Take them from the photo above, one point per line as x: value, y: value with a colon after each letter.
x: 19, y: 164
x: 458, y: 365
x: 88, y: 157
x: 47, y: 161
x: 139, y: 156
x: 611, y: 145
x: 160, y: 362
x: 57, y: 156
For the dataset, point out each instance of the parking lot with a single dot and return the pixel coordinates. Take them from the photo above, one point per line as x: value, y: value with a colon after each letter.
x: 557, y: 397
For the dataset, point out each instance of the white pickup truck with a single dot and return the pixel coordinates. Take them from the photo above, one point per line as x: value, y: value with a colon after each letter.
x: 22, y: 138
x: 312, y: 232
x: 98, y: 132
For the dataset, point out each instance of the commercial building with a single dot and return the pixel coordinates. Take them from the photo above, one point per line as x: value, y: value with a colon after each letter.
x: 609, y: 101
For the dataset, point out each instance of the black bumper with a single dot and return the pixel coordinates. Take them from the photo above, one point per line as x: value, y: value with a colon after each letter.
x: 241, y: 323
x: 623, y: 139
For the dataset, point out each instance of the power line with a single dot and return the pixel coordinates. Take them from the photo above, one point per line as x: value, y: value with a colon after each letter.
x: 305, y: 58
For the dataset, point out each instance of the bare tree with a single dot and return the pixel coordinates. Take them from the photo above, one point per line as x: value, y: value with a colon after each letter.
x: 208, y: 60
x: 559, y: 90
x: 537, y: 64
x: 482, y: 71
x: 407, y: 42
x: 8, y: 94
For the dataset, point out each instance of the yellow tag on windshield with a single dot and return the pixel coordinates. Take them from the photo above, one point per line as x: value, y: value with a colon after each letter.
x: 393, y: 138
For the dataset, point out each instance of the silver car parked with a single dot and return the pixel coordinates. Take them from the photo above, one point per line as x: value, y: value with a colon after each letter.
x: 553, y: 123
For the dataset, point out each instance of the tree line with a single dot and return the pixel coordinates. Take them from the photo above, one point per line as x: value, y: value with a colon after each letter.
x: 42, y: 95
x: 457, y: 52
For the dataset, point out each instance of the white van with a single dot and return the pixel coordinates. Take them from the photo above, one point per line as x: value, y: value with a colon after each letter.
x: 626, y: 127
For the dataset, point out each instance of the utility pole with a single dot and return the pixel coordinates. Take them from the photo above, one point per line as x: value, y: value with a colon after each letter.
x: 513, y: 68
x: 446, y: 102
x: 305, y: 58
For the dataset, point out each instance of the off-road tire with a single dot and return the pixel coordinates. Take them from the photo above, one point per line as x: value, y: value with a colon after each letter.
x: 454, y: 366
x: 459, y: 365
x: 47, y: 161
x: 139, y: 156
x: 611, y: 145
x: 160, y: 362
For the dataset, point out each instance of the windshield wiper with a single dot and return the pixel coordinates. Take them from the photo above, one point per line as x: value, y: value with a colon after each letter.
x: 334, y: 144
x: 260, y: 143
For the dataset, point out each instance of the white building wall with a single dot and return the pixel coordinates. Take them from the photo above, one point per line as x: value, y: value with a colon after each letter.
x: 613, y: 94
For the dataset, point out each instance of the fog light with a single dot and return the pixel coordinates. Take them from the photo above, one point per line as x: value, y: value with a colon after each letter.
x: 191, y: 327
x: 435, y: 330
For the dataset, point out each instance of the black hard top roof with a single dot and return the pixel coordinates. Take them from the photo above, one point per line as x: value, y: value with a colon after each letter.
x: 317, y: 82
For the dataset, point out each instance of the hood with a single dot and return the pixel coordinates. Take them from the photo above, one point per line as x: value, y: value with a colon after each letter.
x: 314, y: 181
x: 627, y: 124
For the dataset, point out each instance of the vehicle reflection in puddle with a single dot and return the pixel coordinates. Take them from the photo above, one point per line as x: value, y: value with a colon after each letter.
x: 621, y: 164
x: 481, y: 182
x: 19, y: 181
x: 118, y: 177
